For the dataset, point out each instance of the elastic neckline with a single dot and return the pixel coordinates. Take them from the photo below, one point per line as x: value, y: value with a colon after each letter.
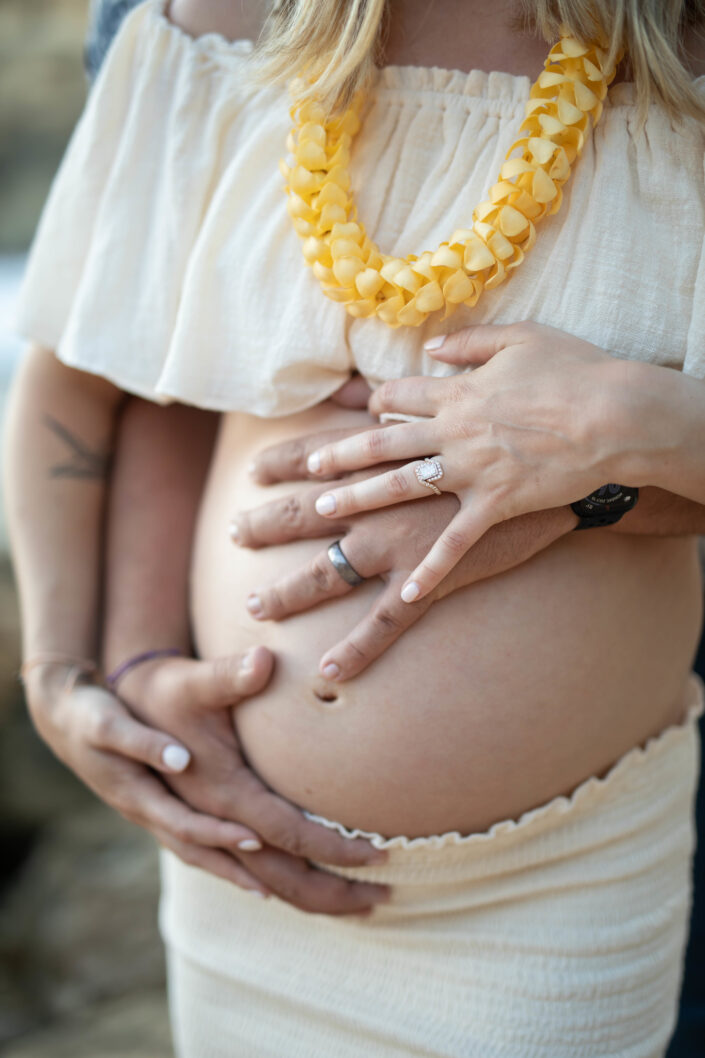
x: 496, y: 85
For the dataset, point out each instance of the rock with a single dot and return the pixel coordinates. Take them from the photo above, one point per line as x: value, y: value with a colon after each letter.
x: 131, y: 1027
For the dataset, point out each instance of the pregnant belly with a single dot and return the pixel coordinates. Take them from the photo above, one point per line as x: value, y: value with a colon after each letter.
x: 504, y: 695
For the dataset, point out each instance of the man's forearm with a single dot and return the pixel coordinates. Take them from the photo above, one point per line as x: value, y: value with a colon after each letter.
x: 159, y: 468
x: 661, y: 513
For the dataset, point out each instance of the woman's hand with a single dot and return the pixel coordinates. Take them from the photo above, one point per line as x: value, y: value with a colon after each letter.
x: 92, y: 732
x: 536, y: 426
x: 387, y: 543
x: 193, y: 700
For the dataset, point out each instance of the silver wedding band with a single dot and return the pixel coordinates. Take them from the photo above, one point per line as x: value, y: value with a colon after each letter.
x: 342, y: 566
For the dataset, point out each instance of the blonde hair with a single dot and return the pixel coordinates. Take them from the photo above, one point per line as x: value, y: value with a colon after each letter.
x: 339, y: 44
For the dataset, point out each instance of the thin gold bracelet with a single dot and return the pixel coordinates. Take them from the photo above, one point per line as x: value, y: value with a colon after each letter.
x: 77, y: 667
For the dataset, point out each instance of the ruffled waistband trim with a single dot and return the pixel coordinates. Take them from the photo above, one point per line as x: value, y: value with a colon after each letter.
x: 559, y: 807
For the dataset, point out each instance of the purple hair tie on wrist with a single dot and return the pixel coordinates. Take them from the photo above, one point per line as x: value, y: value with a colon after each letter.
x: 112, y: 680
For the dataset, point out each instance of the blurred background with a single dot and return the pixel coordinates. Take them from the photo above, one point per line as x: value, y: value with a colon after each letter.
x: 81, y: 966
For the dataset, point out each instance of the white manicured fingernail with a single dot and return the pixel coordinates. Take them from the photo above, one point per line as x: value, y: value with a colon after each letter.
x: 256, y: 892
x: 331, y: 670
x: 434, y: 343
x: 254, y: 605
x: 326, y: 504
x: 248, y: 662
x: 176, y: 758
x: 250, y: 845
x: 410, y: 591
x: 234, y: 532
x: 251, y: 469
x: 314, y: 462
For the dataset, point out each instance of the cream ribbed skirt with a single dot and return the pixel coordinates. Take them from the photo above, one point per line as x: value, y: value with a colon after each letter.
x: 560, y: 935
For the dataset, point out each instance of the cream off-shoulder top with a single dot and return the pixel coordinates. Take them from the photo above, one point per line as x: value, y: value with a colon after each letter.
x: 166, y: 261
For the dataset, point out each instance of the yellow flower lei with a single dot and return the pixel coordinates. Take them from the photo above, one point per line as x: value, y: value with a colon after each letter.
x: 350, y: 267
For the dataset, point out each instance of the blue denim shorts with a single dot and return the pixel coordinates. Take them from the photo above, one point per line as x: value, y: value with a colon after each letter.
x: 104, y: 21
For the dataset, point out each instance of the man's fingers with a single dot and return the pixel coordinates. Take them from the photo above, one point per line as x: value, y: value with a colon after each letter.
x: 301, y: 590
x: 158, y: 807
x: 319, y: 580
x: 388, y: 619
x: 290, y: 518
x: 280, y: 823
x: 214, y: 861
x: 220, y: 682
x: 288, y: 461
x: 311, y: 889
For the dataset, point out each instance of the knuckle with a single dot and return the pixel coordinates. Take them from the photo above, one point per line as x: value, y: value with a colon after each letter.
x: 322, y: 573
x: 355, y: 652
x: 103, y: 728
x: 385, y: 394
x: 297, y: 453
x: 397, y: 484
x: 454, y: 542
x: 183, y: 831
x: 272, y: 601
x: 190, y: 855
x: 291, y: 512
x: 387, y: 623
x: 224, y: 670
x: 457, y: 388
x: 290, y: 841
x: 376, y: 443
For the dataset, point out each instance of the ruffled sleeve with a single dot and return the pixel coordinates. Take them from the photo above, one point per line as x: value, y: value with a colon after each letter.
x: 137, y: 271
x: 694, y: 360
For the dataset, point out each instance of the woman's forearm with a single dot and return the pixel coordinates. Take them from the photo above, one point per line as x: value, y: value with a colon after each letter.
x: 58, y: 443
x: 664, y: 429
x: 160, y: 465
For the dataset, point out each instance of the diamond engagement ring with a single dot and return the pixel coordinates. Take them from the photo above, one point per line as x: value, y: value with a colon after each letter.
x: 428, y: 472
x: 342, y: 566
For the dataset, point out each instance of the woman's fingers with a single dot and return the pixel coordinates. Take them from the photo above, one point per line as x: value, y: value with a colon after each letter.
x: 456, y: 539
x: 115, y: 730
x: 388, y: 619
x: 477, y: 344
x: 383, y: 490
x: 290, y: 518
x: 287, y: 461
x: 214, y: 861
x: 398, y: 441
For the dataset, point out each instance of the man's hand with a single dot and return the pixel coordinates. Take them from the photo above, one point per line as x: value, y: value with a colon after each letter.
x: 192, y: 701
x: 387, y: 543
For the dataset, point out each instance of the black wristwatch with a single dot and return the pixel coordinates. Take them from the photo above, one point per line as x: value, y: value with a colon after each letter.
x: 605, y: 506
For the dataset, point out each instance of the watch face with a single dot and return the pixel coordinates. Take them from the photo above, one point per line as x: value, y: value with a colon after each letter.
x: 610, y: 498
